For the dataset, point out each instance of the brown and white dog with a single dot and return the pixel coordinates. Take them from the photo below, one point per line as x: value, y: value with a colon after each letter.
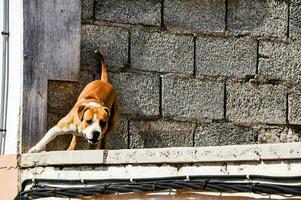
x: 93, y: 116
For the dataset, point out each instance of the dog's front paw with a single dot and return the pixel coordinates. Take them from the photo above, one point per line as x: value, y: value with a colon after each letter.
x: 34, y: 149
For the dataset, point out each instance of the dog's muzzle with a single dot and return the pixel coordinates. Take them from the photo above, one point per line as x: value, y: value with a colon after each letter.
x: 95, y: 137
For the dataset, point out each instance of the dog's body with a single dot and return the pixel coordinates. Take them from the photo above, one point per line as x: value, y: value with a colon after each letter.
x: 93, y: 116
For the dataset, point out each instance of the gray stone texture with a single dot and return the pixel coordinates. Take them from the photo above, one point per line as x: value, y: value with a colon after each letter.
x: 295, y: 18
x: 53, y: 118
x: 119, y: 137
x: 63, y: 95
x: 200, y: 15
x: 276, y: 134
x: 111, y: 40
x: 138, y: 94
x: 189, y: 99
x: 280, y: 61
x: 293, y: 135
x: 192, y: 99
x: 87, y: 9
x: 258, y: 17
x: 251, y: 103
x: 218, y: 134
x: 158, y: 134
x: 234, y: 57
x: 146, y: 12
x: 294, y: 106
x: 162, y: 52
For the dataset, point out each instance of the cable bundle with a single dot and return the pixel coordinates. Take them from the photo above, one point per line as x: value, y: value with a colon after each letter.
x: 253, y: 183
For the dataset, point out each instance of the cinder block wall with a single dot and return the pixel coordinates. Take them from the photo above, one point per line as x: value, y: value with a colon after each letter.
x: 193, y: 72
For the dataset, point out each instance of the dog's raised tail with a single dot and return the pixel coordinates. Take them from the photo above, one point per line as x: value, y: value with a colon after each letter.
x: 104, y: 75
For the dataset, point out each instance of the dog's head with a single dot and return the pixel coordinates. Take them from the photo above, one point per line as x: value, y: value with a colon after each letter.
x: 94, y: 119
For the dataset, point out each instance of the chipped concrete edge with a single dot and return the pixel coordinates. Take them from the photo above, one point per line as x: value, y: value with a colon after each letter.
x: 233, y: 153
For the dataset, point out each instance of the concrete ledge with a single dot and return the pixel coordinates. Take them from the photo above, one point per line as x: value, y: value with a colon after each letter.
x: 235, y: 153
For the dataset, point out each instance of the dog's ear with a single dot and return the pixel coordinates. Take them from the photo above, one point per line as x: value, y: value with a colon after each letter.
x: 80, y: 112
x: 107, y: 110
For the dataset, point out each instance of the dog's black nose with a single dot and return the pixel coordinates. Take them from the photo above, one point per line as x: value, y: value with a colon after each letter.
x: 95, y: 135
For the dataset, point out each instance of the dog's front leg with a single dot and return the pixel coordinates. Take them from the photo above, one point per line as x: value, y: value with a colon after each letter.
x: 50, y: 135
x: 72, y: 144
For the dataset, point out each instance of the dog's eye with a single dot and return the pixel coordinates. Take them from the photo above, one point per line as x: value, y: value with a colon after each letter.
x: 89, y: 121
x: 102, y: 123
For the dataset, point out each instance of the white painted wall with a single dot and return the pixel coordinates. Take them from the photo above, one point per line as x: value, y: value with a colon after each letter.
x: 3, y: 47
x: 15, y: 76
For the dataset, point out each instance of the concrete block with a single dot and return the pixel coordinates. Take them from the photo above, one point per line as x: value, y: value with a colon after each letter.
x: 159, y: 134
x: 147, y: 12
x: 53, y: 119
x: 218, y: 134
x: 206, y: 135
x: 250, y: 103
x: 258, y: 17
x: 200, y: 15
x: 276, y: 134
x: 85, y: 77
x: 280, y: 61
x: 192, y: 99
x: 138, y: 94
x: 61, y: 96
x: 113, y: 41
x: 119, y: 137
x: 235, y: 57
x: 293, y: 135
x: 87, y: 9
x: 294, y: 106
x: 295, y: 18
x: 162, y: 52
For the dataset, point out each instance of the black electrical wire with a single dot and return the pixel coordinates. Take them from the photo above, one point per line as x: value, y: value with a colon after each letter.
x: 194, y: 177
x: 229, y: 183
